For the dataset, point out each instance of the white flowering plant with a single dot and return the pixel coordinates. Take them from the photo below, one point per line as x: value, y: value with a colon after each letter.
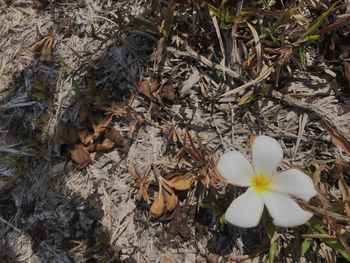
x: 266, y: 186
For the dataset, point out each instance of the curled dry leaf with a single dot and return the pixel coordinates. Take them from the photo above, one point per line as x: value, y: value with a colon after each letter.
x: 171, y: 200
x: 116, y: 137
x: 66, y: 134
x: 148, y: 90
x: 158, y: 205
x: 80, y: 155
x: 44, y: 49
x: 107, y: 144
x: 83, y: 113
x: 180, y: 182
x: 85, y: 134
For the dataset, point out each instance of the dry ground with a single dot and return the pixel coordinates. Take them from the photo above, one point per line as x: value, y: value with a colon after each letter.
x: 57, y: 212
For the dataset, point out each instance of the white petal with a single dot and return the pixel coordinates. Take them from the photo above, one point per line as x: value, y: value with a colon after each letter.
x: 235, y: 168
x: 267, y: 153
x: 246, y: 210
x: 284, y: 211
x: 294, y: 182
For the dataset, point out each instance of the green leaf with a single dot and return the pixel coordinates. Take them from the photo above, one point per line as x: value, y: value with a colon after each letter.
x: 318, y: 22
x: 224, y: 15
x: 333, y: 243
x: 252, y: 97
x: 271, y: 29
x: 305, y: 245
x: 168, y: 20
x: 265, y: 4
x: 272, y: 251
x: 65, y: 67
x: 270, y: 230
x: 78, y: 93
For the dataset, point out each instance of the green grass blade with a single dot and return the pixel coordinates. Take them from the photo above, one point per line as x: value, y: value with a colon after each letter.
x: 319, y: 21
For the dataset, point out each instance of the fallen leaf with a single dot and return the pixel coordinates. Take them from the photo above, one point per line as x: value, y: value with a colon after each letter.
x: 116, y: 137
x: 85, y: 134
x: 171, y: 200
x: 66, y: 134
x: 168, y: 92
x: 44, y: 49
x: 180, y: 182
x: 40, y: 4
x: 83, y: 113
x: 107, y: 144
x: 139, y: 181
x: 80, y: 155
x: 178, y: 225
x: 337, y: 138
x: 146, y: 90
x: 158, y: 205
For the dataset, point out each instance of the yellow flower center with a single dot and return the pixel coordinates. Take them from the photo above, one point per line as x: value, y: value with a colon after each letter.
x: 261, y: 183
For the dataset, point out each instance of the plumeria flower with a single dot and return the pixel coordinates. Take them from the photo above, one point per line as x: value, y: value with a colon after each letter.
x: 265, y: 185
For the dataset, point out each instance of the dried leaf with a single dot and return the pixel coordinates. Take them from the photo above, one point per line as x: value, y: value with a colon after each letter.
x: 40, y: 4
x: 171, y: 201
x: 139, y: 181
x: 66, y: 134
x: 168, y: 92
x: 263, y: 75
x: 337, y: 138
x: 83, y: 113
x: 85, y: 134
x: 181, y: 182
x: 44, y: 49
x: 158, y: 205
x: 257, y: 46
x: 116, y: 137
x: 145, y: 89
x: 107, y: 144
x: 80, y: 155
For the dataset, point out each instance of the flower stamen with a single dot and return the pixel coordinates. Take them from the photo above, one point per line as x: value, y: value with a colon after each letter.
x: 261, y: 183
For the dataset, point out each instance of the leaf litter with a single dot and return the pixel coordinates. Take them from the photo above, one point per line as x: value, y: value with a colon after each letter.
x: 110, y: 87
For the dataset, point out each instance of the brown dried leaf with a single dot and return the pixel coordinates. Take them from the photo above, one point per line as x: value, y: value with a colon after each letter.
x: 83, y: 114
x: 171, y: 201
x: 180, y: 182
x: 85, y: 135
x: 97, y: 121
x: 116, y: 137
x: 66, y: 134
x: 257, y: 46
x: 40, y: 4
x: 158, y: 205
x: 107, y: 144
x: 44, y: 49
x: 145, y: 89
x: 80, y: 155
x: 168, y: 92
x: 139, y: 181
x: 337, y: 138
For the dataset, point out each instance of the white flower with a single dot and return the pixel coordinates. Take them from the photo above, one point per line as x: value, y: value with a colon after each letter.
x: 266, y: 186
